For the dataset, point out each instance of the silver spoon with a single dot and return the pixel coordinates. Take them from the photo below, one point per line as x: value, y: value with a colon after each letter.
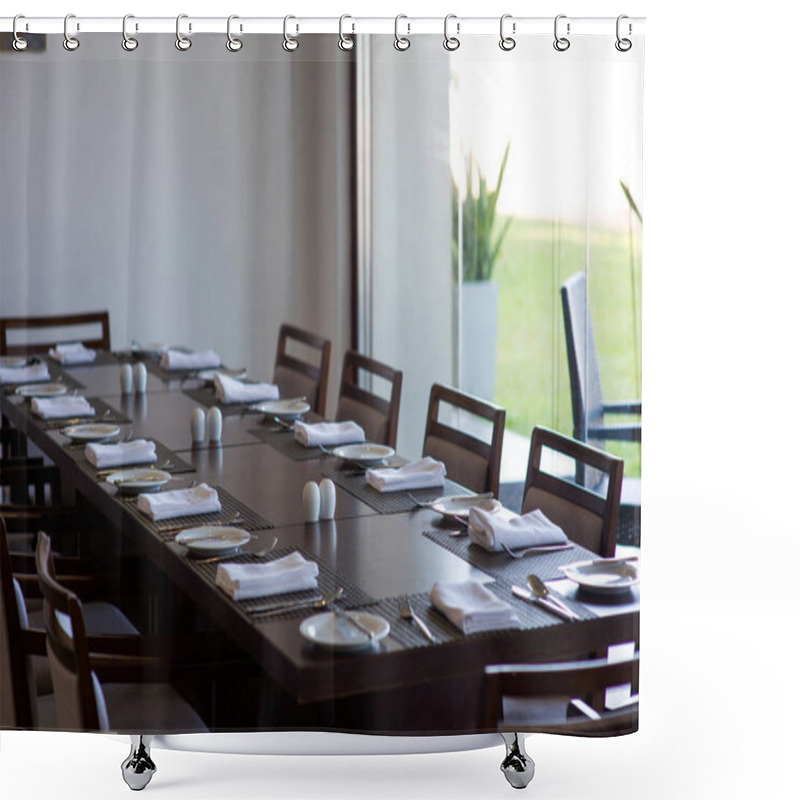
x: 543, y: 593
x: 322, y: 602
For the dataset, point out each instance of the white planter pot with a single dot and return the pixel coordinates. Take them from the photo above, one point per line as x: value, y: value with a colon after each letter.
x: 479, y: 304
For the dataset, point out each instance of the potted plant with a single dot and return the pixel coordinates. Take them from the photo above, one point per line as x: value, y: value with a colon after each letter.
x: 479, y: 248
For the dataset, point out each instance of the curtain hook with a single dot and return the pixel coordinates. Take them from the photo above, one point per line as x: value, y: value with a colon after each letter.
x: 233, y: 44
x: 345, y: 42
x: 182, y: 42
x: 623, y: 45
x: 451, y: 43
x: 401, y: 42
x: 129, y: 43
x: 70, y: 43
x: 506, y: 42
x: 290, y: 43
x: 561, y: 43
x: 19, y: 43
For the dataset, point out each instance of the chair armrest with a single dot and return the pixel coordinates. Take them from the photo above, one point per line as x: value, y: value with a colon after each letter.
x: 623, y: 407
x: 617, y: 433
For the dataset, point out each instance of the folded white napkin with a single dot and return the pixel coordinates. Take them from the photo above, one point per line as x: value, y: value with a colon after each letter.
x: 427, y: 473
x: 328, y: 434
x: 292, y: 573
x: 202, y: 359
x: 230, y: 390
x: 64, y: 407
x: 500, y: 527
x: 472, y: 608
x: 137, y: 451
x: 180, y: 503
x: 30, y: 374
x: 73, y: 353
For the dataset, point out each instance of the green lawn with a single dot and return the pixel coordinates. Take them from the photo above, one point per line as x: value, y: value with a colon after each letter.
x: 532, y: 374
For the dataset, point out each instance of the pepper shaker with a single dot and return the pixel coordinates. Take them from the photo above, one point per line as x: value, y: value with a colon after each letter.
x: 197, y: 422
x: 126, y: 378
x: 214, y: 424
x: 140, y: 378
x: 311, y: 502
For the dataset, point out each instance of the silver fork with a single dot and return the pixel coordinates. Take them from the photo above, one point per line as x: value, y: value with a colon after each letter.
x: 265, y: 551
x: 407, y: 613
x: 547, y: 548
x: 178, y: 528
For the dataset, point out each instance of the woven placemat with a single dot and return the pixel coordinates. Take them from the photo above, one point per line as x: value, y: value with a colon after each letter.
x: 285, y: 443
x: 328, y: 581
x: 163, y: 454
x: 248, y: 519
x: 104, y: 413
x: 408, y: 635
x: 501, y: 566
x: 354, y: 482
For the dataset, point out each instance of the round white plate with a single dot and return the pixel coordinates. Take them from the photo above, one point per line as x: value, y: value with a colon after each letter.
x: 603, y: 577
x: 335, y: 633
x: 90, y: 432
x: 42, y: 390
x: 13, y: 362
x: 283, y: 409
x: 367, y: 453
x: 136, y: 481
x: 208, y: 375
x: 460, y: 506
x: 213, y: 539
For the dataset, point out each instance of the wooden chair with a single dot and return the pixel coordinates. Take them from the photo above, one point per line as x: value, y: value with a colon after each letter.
x: 102, y: 342
x: 31, y: 483
x: 143, y: 703
x: 588, y: 518
x: 470, y: 461
x: 566, y: 698
x: 376, y: 415
x: 296, y: 377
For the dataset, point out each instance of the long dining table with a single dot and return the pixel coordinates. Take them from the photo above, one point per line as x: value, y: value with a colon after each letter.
x: 377, y: 549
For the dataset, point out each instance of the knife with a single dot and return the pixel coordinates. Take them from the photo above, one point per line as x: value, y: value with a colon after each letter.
x: 341, y: 614
x: 530, y: 597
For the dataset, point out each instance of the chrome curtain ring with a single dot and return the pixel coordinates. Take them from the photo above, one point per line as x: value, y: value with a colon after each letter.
x: 233, y: 44
x: 181, y: 42
x: 70, y: 42
x: 401, y: 42
x: 129, y: 43
x: 290, y: 43
x: 623, y: 44
x: 507, y: 43
x: 561, y: 43
x: 19, y: 43
x: 345, y: 42
x: 451, y: 43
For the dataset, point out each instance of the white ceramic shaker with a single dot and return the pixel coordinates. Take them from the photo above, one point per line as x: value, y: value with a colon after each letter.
x: 197, y: 421
x: 311, y: 502
x: 214, y: 422
x: 140, y: 378
x: 126, y: 378
x: 327, y: 498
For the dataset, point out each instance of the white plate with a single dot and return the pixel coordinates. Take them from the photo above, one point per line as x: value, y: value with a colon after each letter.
x: 334, y: 633
x: 367, y: 453
x: 609, y: 576
x: 283, y: 409
x: 460, y: 506
x: 42, y: 390
x: 136, y: 481
x: 13, y: 362
x: 213, y: 539
x: 90, y: 432
x: 208, y: 375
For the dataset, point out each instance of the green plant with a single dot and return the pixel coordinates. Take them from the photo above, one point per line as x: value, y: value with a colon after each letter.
x: 479, y: 247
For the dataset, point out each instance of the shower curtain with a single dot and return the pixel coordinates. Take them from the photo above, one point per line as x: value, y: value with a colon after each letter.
x: 424, y: 205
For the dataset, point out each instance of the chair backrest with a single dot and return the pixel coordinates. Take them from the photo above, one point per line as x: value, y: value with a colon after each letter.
x: 17, y: 692
x: 376, y: 415
x: 533, y: 685
x: 584, y: 368
x: 588, y: 517
x: 31, y: 483
x: 102, y: 342
x: 471, y: 461
x: 78, y: 697
x: 298, y: 378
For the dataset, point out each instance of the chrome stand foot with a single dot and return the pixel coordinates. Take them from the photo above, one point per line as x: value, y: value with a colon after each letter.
x: 517, y: 766
x: 138, y: 768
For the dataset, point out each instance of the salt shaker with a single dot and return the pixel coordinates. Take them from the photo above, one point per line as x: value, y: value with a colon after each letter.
x: 126, y: 378
x: 214, y: 424
x: 311, y: 501
x: 140, y: 378
x: 327, y: 498
x: 198, y: 425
